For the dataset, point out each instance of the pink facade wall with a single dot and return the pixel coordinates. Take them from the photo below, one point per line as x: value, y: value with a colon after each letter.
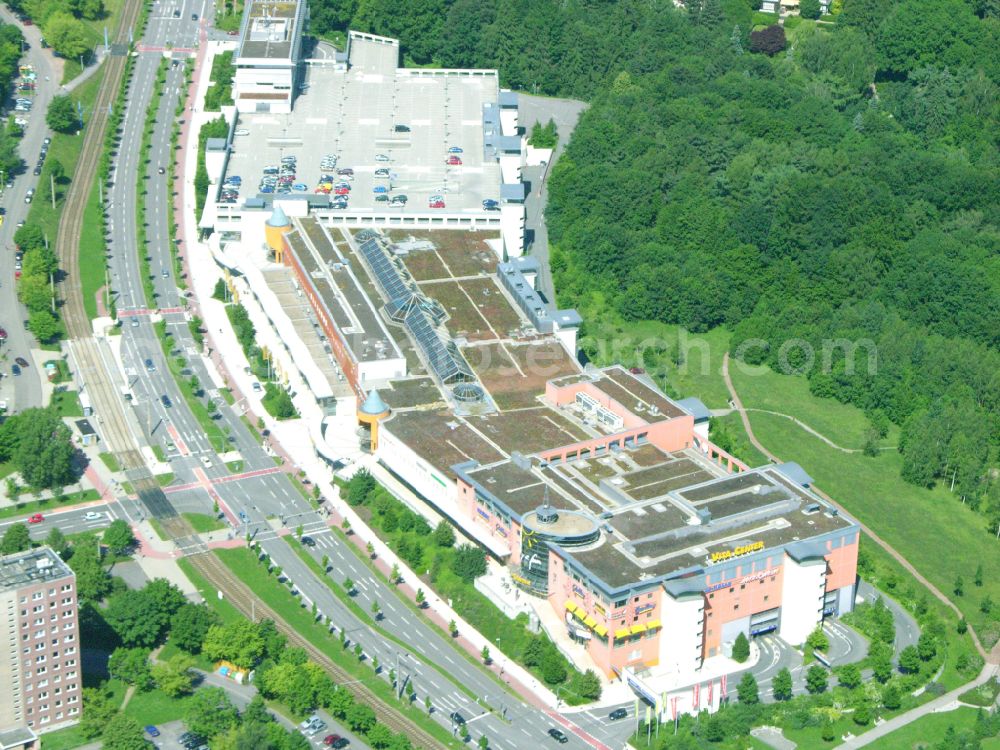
x: 759, y: 594
x: 482, y: 516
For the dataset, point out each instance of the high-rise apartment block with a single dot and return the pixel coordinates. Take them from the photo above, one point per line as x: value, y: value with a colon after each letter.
x: 39, y: 643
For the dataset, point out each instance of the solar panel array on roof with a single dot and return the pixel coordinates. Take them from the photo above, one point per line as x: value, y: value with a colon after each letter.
x: 416, y: 313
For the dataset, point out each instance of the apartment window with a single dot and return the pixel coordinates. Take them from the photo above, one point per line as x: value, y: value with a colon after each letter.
x: 766, y: 597
x: 711, y: 596
x: 42, y: 670
x: 37, y: 608
x: 71, y: 687
x: 67, y: 587
x: 24, y: 600
x: 39, y: 620
x: 67, y: 600
x: 736, y: 607
x: 72, y: 699
x: 24, y: 612
x: 36, y: 596
x: 74, y: 711
x: 742, y: 586
x: 52, y: 592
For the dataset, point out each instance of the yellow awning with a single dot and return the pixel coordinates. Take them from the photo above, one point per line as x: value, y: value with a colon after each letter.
x: 590, y: 621
x: 652, y: 624
x: 601, y: 630
x: 580, y: 613
x: 571, y: 606
x: 638, y: 629
x: 622, y: 633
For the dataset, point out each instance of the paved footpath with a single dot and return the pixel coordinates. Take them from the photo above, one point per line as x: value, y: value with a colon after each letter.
x: 942, y: 703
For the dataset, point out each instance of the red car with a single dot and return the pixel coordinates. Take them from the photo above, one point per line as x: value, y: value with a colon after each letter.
x: 436, y: 204
x: 234, y: 32
x: 342, y: 191
x: 37, y: 518
x: 454, y: 160
x: 17, y: 274
x: 335, y: 740
x: 3, y: 335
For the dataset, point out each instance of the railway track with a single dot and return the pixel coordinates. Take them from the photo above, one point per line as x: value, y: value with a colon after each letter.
x: 116, y: 430
x: 241, y: 596
x: 71, y: 225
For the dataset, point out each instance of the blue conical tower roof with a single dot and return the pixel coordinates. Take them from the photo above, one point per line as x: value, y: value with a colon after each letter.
x: 278, y: 218
x: 374, y: 404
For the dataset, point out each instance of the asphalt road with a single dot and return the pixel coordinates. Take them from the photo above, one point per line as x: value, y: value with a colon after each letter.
x: 23, y: 391
x: 565, y: 113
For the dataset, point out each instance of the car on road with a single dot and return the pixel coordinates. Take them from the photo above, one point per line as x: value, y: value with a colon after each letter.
x: 36, y: 171
x: 397, y: 200
x: 135, y: 322
x: 161, y: 170
x: 305, y: 724
x: 455, y: 150
x: 491, y: 205
x: 177, y: 13
x: 21, y: 361
x: 165, y: 273
x: 256, y: 387
x: 618, y: 713
x: 558, y: 736
x: 93, y: 515
x: 402, y: 128
x: 308, y: 541
x: 29, y: 195
x: 194, y: 16
x: 457, y: 718
x: 150, y: 367
x: 436, y: 204
x: 46, y: 141
x: 36, y: 518
x: 152, y: 731
x: 206, y: 462
x: 335, y: 741
x: 3, y: 334
x: 165, y: 400
x: 380, y: 189
x: 454, y: 161
x: 381, y: 158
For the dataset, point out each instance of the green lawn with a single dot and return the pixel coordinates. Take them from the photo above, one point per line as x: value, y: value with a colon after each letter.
x: 110, y: 461
x: 92, y: 253
x: 244, y: 565
x: 64, y: 739
x: 762, y: 388
x: 165, y: 480
x: 158, y: 452
x: 155, y: 707
x: 919, y: 523
x: 222, y: 607
x: 66, y: 403
x: 94, y: 31
x: 202, y: 522
x: 930, y: 729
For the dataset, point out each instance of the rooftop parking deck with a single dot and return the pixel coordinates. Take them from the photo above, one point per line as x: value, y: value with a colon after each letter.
x: 354, y: 115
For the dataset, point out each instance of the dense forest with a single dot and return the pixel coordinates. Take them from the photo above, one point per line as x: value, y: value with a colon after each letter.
x: 821, y: 181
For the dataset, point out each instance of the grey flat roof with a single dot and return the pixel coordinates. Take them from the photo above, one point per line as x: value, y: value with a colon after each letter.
x: 348, y: 307
x: 695, y: 408
x: 512, y: 191
x: 215, y: 144
x: 85, y: 427
x: 16, y: 737
x: 794, y: 472
x: 508, y: 99
x: 33, y: 566
x: 270, y: 28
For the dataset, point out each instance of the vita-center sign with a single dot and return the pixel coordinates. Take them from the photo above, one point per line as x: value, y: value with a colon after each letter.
x: 728, y: 554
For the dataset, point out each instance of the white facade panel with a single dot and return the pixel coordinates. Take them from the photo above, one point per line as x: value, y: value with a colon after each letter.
x: 685, y: 618
x: 422, y: 476
x: 802, y: 591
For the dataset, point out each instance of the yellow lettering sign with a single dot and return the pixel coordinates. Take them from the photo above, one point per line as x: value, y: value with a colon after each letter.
x: 745, y: 549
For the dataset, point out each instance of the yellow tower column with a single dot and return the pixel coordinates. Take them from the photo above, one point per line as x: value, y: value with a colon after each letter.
x: 371, y: 412
x: 275, y: 229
